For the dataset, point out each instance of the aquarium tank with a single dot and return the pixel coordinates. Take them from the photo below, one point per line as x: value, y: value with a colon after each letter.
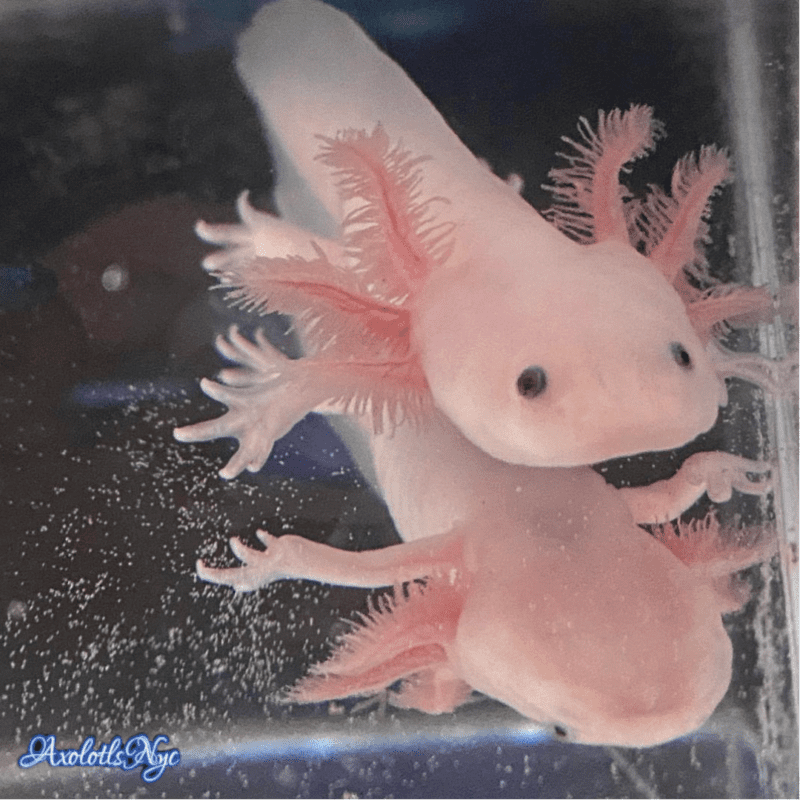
x: 122, y: 673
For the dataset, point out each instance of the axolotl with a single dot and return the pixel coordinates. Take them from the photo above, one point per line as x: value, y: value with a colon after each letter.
x: 534, y: 586
x: 556, y: 342
x: 485, y: 353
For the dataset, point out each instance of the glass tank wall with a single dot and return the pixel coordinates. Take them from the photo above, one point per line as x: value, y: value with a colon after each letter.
x: 124, y: 123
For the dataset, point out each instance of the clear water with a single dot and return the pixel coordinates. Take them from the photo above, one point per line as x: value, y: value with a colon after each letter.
x: 120, y: 126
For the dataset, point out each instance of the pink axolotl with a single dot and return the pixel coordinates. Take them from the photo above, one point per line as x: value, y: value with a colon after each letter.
x: 488, y: 356
x: 545, y: 344
x: 540, y: 590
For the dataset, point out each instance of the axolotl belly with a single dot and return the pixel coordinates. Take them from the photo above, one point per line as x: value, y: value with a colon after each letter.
x: 418, y: 278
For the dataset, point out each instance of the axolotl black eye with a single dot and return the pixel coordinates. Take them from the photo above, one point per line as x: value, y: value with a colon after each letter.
x: 532, y: 381
x: 680, y: 355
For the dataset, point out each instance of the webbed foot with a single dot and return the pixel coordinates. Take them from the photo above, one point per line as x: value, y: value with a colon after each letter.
x: 715, y: 473
x: 720, y: 473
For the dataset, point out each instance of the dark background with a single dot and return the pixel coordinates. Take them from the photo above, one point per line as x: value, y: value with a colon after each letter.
x: 119, y: 127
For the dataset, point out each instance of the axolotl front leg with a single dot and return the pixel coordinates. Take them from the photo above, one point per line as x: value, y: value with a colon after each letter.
x: 267, y: 394
x: 714, y: 473
x: 293, y: 557
x: 259, y: 235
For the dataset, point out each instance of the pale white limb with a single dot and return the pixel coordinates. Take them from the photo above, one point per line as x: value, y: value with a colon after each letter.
x: 264, y: 398
x: 716, y: 474
x: 259, y: 234
x: 295, y: 557
x: 268, y: 394
x: 513, y: 180
x: 774, y: 376
x: 516, y: 182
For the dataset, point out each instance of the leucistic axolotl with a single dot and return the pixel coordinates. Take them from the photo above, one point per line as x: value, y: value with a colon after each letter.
x: 534, y: 586
x: 427, y: 292
x: 547, y: 343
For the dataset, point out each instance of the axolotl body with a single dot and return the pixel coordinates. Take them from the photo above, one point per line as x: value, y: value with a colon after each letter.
x: 547, y: 343
x: 489, y: 357
x: 534, y: 586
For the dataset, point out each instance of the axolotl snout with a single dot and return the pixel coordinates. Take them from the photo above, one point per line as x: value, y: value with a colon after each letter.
x: 635, y: 658
x: 547, y: 342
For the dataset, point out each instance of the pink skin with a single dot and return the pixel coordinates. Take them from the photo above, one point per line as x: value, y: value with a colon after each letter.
x: 541, y: 591
x: 392, y: 228
x: 423, y: 288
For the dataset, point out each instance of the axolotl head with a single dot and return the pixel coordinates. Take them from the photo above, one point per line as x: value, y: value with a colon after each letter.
x: 603, y: 642
x: 549, y: 353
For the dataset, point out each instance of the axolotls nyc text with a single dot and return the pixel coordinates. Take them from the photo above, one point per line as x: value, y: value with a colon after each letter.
x: 138, y: 751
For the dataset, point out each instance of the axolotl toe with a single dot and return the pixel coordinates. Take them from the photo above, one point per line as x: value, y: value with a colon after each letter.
x: 419, y: 279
